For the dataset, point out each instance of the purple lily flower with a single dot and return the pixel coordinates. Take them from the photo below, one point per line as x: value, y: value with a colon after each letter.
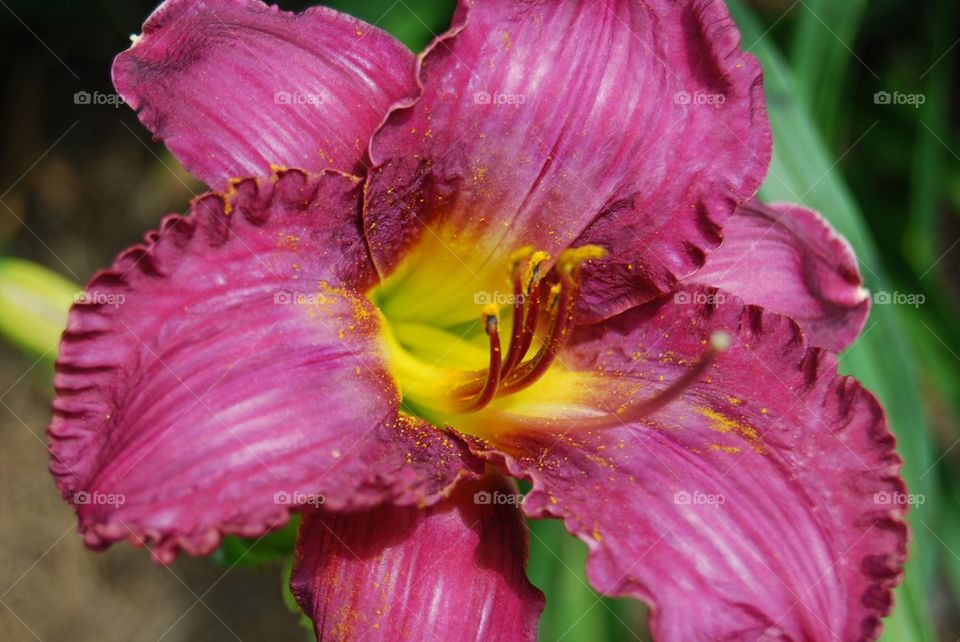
x: 533, y: 252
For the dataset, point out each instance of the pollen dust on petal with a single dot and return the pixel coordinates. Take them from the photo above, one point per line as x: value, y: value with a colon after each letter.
x: 725, y: 449
x: 724, y: 424
x: 288, y: 242
x: 359, y: 319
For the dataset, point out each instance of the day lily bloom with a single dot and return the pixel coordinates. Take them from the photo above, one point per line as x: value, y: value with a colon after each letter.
x: 532, y: 252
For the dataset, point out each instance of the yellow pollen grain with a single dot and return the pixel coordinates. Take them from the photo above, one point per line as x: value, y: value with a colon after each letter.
x: 573, y: 257
x: 288, y: 241
x: 230, y: 194
x: 723, y: 424
x: 726, y: 449
x: 597, y: 536
x: 490, y: 310
x: 536, y: 260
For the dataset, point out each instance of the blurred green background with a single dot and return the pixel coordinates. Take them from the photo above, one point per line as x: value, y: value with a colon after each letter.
x: 80, y: 182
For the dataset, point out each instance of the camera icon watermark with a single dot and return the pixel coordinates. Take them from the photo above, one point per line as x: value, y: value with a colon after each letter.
x: 699, y: 98
x: 898, y: 98
x: 296, y: 498
x: 498, y: 98
x: 899, y: 298
x: 496, y: 498
x: 99, y: 298
x: 697, y: 498
x: 499, y: 298
x: 96, y: 498
x: 887, y: 498
x: 298, y: 98
x: 699, y: 298
x: 97, y: 98
x: 285, y: 297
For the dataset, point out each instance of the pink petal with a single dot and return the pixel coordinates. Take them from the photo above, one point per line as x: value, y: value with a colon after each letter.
x: 451, y: 572
x: 790, y: 260
x: 765, y: 502
x: 547, y: 123
x: 233, y: 86
x: 228, y: 370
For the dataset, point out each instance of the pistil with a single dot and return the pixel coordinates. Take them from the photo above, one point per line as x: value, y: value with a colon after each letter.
x: 627, y: 414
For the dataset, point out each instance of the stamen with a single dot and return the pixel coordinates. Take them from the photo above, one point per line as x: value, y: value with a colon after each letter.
x: 561, y: 320
x: 526, y: 303
x: 492, y: 381
x: 561, y: 314
x: 529, y: 329
x: 514, y: 374
x: 630, y: 413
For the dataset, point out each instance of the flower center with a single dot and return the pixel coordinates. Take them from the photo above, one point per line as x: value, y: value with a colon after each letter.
x: 456, y: 373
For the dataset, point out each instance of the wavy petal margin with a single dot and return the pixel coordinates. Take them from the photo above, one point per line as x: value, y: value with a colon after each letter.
x: 638, y: 126
x: 766, y: 501
x: 236, y: 86
x: 230, y: 370
x: 788, y: 259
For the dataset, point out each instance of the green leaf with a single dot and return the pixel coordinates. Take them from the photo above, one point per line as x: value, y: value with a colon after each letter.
x: 34, y: 302
x: 239, y: 551
x: 574, y: 611
x: 802, y: 171
x: 821, y: 55
x: 412, y: 22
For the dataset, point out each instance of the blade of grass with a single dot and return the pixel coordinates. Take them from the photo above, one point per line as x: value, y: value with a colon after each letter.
x: 821, y: 55
x: 927, y: 171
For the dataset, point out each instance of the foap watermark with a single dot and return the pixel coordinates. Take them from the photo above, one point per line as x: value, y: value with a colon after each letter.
x: 297, y: 498
x: 99, y: 298
x: 499, y: 298
x: 887, y: 498
x: 899, y: 298
x: 698, y: 498
x: 698, y: 98
x: 285, y: 297
x: 899, y: 98
x: 298, y: 98
x: 496, y: 498
x: 498, y: 98
x: 96, y: 498
x: 98, y: 98
x: 699, y: 298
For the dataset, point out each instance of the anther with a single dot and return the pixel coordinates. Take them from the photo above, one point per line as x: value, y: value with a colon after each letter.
x: 513, y: 374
